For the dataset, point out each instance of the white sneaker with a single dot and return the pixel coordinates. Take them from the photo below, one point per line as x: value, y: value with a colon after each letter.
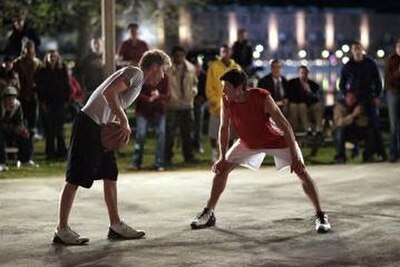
x: 28, y: 164
x: 3, y: 167
x: 322, y: 224
x: 204, y: 219
x: 68, y: 237
x: 124, y: 231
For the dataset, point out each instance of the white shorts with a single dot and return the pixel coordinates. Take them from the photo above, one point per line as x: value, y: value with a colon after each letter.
x: 252, y: 158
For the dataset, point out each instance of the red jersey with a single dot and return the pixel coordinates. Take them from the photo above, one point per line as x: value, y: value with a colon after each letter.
x: 132, y: 52
x: 253, y: 125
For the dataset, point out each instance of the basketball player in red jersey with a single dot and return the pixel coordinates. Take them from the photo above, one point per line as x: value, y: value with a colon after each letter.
x: 262, y: 129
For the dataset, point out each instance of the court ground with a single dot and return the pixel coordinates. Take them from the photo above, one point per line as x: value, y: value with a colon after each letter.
x: 264, y: 219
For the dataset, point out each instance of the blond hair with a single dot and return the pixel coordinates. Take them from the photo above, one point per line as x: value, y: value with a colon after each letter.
x: 154, y: 56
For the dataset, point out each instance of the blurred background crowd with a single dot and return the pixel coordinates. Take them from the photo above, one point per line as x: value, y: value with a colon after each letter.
x: 333, y: 71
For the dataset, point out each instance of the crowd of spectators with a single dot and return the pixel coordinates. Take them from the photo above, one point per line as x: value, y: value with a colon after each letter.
x: 38, y: 95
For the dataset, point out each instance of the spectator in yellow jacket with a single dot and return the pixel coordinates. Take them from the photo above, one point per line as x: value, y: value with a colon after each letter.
x: 214, y: 92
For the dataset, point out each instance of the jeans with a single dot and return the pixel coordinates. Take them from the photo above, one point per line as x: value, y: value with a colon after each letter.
x: 30, y: 107
x: 375, y: 143
x: 393, y: 101
x: 141, y: 130
x: 348, y: 133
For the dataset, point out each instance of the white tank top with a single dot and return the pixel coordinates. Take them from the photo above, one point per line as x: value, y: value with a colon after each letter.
x: 97, y: 108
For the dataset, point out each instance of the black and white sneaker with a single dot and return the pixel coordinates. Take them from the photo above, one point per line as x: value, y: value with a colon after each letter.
x: 122, y: 231
x: 67, y: 236
x: 204, y: 219
x: 321, y: 223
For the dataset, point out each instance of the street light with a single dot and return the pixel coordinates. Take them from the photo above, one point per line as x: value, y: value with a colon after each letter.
x: 302, y: 53
x: 345, y: 48
x: 339, y: 53
x: 380, y: 53
x: 256, y: 54
x: 259, y: 48
x: 325, y: 53
x: 345, y: 59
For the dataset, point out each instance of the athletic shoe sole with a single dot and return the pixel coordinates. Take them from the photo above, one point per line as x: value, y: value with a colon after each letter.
x: 323, y: 230
x: 210, y: 223
x: 58, y: 240
x: 115, y: 236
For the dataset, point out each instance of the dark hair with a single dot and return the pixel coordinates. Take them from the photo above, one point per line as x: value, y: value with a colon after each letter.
x: 236, y: 77
x: 7, y: 58
x: 242, y: 30
x: 132, y: 25
x: 225, y: 46
x: 275, y: 61
x: 398, y: 41
x: 177, y: 48
x: 355, y: 42
x: 304, y: 67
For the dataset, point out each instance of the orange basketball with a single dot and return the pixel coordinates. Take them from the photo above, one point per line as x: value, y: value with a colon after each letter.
x: 110, y: 136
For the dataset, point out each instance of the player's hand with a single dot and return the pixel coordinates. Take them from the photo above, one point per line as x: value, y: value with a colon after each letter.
x: 219, y: 166
x: 297, y: 166
x: 126, y: 130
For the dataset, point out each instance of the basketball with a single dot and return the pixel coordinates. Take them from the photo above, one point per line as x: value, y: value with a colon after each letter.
x: 110, y: 136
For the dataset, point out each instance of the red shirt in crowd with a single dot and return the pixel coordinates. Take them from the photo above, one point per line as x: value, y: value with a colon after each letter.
x: 132, y: 52
x: 150, y: 109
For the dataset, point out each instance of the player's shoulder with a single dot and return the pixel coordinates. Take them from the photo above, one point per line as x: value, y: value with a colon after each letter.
x: 258, y: 92
x: 132, y: 74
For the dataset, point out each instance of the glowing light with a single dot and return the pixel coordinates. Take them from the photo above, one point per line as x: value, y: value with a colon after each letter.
x: 345, y: 48
x: 380, y: 53
x: 258, y: 63
x: 319, y: 62
x: 256, y: 54
x: 259, y: 48
x: 185, y: 32
x: 273, y: 38
x: 304, y: 62
x: 364, y: 31
x: 345, y: 60
x: 302, y: 53
x: 325, y: 53
x: 329, y: 31
x: 233, y: 27
x: 300, y: 29
x: 339, y: 53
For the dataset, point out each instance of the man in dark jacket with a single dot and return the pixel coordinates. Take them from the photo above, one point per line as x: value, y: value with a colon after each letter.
x: 276, y: 84
x: 361, y: 76
x: 242, y: 51
x: 305, y: 103
x: 12, y: 130
x: 21, y: 32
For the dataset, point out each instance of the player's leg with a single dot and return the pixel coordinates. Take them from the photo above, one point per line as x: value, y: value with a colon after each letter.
x: 63, y: 233
x: 321, y: 219
x: 206, y: 218
x: 118, y: 229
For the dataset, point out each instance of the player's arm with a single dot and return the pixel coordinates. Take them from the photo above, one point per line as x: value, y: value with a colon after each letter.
x: 224, y: 131
x: 273, y: 110
x: 111, y: 94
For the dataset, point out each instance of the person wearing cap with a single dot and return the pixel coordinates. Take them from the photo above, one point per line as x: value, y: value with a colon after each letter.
x: 262, y: 130
x: 13, y: 130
